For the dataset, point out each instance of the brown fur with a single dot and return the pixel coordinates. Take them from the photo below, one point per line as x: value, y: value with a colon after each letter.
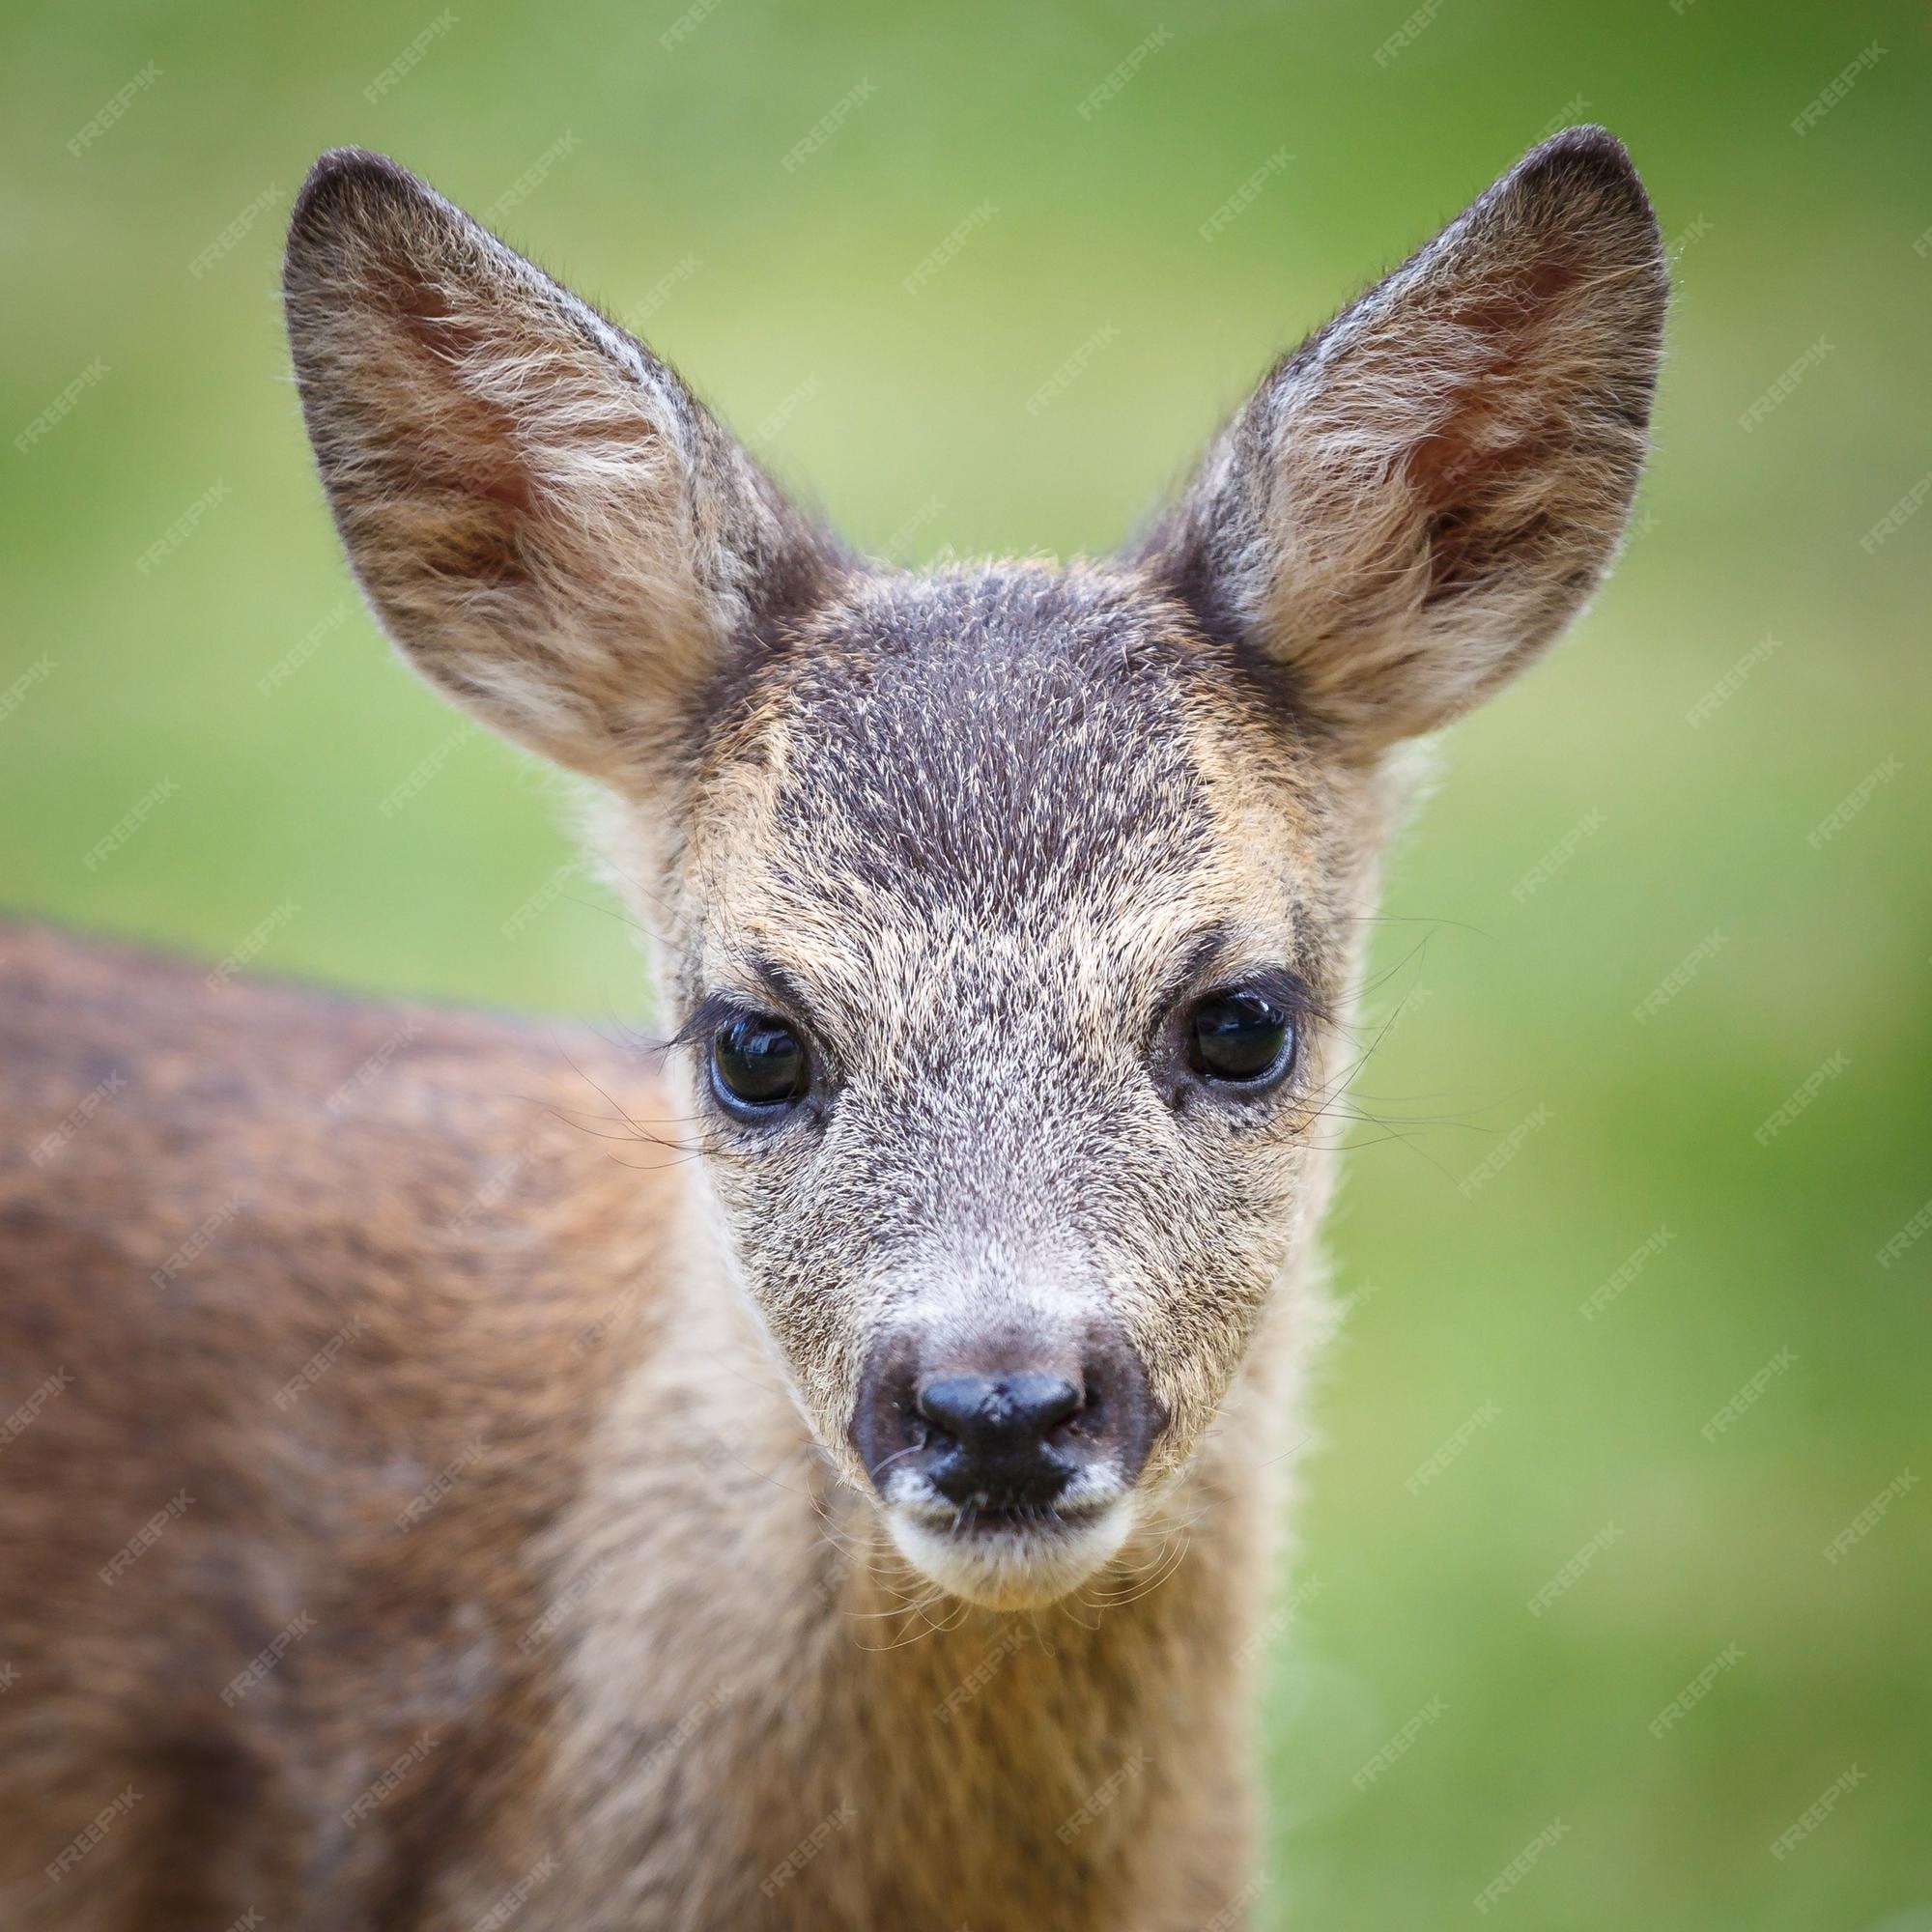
x: 573, y: 1529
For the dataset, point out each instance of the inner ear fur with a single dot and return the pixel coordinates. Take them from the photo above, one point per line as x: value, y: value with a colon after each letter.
x: 551, y: 528
x: 1415, y: 502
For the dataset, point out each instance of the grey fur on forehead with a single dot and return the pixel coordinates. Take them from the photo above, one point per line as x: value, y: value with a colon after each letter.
x: 996, y: 735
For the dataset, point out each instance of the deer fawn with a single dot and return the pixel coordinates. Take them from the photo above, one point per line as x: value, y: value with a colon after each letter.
x: 822, y: 1473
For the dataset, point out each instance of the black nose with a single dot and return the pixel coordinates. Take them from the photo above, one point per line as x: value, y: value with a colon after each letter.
x: 988, y: 1438
x: 1001, y: 1428
x: 1002, y: 1421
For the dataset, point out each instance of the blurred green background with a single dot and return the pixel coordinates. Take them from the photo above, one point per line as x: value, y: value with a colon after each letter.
x: 782, y: 294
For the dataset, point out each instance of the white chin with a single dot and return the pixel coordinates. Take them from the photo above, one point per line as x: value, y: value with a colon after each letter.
x: 1024, y: 1568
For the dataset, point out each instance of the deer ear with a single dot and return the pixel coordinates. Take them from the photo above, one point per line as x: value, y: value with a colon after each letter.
x: 548, y: 525
x: 1416, y: 501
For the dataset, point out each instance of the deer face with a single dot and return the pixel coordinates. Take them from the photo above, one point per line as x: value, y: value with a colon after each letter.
x: 1008, y: 919
x: 1005, y: 950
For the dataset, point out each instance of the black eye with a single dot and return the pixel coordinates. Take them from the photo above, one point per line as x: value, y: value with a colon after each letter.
x: 1242, y: 1038
x: 757, y: 1062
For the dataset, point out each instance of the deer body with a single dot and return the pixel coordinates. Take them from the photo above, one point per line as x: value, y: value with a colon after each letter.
x: 638, y: 1642
x: 822, y: 1473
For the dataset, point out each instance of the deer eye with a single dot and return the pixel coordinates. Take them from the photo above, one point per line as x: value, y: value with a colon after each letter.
x: 1241, y: 1037
x: 758, y: 1065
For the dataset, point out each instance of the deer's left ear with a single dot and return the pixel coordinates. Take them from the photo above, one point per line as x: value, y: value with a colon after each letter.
x: 551, y: 528
x: 1416, y: 501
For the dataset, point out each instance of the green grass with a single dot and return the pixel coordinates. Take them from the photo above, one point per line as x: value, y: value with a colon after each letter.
x: 1790, y: 238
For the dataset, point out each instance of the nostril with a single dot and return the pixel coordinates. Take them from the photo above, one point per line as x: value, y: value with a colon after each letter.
x: 1092, y: 1412
x: 993, y: 1411
x: 1009, y: 1425
x: 1058, y: 1403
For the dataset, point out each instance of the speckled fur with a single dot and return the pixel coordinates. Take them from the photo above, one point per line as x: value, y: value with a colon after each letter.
x: 975, y: 827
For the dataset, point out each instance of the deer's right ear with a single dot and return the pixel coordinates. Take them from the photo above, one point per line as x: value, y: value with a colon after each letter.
x: 548, y: 525
x: 1415, y: 502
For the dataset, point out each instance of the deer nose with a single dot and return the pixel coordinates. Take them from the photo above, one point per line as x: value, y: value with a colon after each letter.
x: 989, y: 1441
x: 1002, y: 1421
